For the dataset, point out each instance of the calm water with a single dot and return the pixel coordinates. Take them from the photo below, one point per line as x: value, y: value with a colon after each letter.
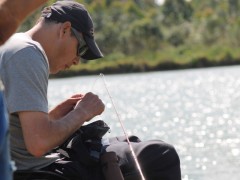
x: 198, y: 111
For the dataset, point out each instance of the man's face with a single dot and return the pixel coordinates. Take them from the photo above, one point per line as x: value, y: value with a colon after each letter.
x: 66, y: 52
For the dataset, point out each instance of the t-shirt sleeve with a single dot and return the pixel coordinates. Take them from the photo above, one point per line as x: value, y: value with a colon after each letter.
x: 26, y: 80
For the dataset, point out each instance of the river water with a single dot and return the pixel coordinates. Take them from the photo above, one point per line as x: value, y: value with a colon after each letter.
x: 197, y: 110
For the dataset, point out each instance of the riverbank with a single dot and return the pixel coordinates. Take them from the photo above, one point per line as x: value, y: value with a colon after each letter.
x: 166, y: 59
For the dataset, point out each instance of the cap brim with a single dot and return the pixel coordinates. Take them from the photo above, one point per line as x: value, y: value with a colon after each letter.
x: 93, y: 52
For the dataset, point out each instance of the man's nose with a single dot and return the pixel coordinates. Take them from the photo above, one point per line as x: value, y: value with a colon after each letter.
x: 76, y: 61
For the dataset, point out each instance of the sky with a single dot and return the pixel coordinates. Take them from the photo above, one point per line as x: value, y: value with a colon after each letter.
x: 160, y: 2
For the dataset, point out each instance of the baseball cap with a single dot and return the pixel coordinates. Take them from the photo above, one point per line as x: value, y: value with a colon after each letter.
x: 76, y: 13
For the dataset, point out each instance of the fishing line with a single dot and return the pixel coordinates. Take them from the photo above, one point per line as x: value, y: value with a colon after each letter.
x: 92, y: 87
x: 123, y: 128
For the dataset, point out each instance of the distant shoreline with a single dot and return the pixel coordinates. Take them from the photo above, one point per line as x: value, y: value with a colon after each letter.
x: 134, y: 68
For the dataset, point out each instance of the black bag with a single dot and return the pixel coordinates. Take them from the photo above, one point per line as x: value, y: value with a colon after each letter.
x: 158, y: 160
x: 85, y: 144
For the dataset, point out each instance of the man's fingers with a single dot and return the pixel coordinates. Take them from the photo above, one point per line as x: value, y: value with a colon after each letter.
x: 91, y: 105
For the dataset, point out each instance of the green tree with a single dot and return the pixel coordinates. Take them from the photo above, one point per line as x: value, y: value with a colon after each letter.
x: 176, y: 12
x: 233, y: 7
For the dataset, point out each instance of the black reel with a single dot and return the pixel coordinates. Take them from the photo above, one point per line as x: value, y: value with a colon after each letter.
x: 94, y: 130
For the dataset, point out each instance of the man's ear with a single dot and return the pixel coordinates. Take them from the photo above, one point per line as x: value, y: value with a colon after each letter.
x: 65, y: 29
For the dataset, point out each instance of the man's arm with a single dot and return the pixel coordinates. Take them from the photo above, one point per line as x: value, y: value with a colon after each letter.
x: 12, y: 14
x: 41, y: 134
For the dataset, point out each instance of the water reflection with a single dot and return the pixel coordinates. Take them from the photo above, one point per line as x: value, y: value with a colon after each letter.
x: 196, y: 110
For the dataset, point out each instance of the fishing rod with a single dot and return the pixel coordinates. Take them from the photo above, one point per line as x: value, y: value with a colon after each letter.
x: 123, y: 128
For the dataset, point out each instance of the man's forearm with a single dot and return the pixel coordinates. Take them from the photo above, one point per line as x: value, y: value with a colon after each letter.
x: 12, y: 14
x: 41, y: 135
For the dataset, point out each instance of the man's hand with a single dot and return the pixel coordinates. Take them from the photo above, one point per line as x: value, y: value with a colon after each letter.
x: 90, y: 105
x: 65, y: 107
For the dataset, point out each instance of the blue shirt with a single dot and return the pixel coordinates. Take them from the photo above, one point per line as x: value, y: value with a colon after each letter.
x: 5, y: 162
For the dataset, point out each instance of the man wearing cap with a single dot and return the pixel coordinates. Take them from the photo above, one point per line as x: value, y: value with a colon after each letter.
x: 62, y: 36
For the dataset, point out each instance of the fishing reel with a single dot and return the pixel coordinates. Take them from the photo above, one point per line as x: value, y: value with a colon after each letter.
x: 94, y: 130
x: 92, y: 137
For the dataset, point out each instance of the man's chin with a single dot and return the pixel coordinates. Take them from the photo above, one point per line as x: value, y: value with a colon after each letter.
x: 55, y: 72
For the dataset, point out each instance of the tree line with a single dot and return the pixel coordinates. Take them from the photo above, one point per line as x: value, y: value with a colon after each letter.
x: 127, y: 28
